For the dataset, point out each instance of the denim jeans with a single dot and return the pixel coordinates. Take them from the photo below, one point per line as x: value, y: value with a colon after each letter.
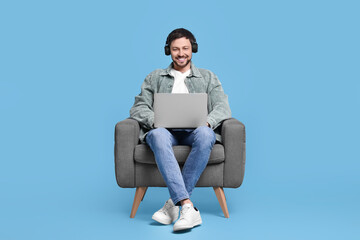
x: 181, y: 183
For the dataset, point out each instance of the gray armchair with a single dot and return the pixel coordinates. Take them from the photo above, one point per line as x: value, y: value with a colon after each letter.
x: 135, y: 165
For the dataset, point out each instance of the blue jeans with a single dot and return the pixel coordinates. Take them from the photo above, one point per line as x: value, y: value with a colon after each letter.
x: 181, y: 183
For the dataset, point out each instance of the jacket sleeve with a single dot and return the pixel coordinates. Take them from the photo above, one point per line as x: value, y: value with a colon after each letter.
x: 142, y: 110
x: 219, y: 102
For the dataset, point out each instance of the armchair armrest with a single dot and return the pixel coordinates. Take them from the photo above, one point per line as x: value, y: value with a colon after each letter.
x: 126, y: 138
x: 233, y: 138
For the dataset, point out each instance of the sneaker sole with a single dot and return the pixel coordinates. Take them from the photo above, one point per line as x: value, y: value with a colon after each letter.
x: 162, y: 221
x: 197, y: 222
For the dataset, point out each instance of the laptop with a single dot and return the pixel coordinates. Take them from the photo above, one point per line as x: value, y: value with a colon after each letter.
x: 180, y: 110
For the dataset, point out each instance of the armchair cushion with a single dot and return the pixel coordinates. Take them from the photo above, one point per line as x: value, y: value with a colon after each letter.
x: 143, y: 154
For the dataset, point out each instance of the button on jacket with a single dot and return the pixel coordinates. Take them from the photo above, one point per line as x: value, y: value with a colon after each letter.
x: 199, y: 81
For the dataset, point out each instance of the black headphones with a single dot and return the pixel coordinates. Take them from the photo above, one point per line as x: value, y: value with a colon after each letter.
x: 194, y: 45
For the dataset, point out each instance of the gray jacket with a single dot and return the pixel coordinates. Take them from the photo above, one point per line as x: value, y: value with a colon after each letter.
x: 199, y: 81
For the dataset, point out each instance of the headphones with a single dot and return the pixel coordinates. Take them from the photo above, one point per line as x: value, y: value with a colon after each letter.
x: 194, y: 46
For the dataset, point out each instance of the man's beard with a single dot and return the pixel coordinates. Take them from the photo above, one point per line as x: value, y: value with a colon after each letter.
x: 183, y: 65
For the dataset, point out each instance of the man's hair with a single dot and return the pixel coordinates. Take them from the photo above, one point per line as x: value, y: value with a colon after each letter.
x: 179, y: 33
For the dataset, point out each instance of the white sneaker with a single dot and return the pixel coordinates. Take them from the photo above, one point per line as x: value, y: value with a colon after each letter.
x: 167, y: 214
x: 189, y: 218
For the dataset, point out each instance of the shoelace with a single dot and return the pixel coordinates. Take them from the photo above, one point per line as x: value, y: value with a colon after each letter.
x: 183, y: 211
x: 166, y: 207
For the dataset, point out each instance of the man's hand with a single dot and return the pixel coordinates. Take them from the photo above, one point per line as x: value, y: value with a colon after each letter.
x: 208, y: 124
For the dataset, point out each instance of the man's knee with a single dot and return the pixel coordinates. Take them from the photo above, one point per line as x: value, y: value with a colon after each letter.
x: 158, y: 135
x: 205, y: 134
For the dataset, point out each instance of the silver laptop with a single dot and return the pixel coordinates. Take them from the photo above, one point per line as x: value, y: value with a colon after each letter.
x: 180, y: 110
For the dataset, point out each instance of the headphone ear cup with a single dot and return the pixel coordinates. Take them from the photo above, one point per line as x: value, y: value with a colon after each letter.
x: 167, y: 50
x: 194, y: 47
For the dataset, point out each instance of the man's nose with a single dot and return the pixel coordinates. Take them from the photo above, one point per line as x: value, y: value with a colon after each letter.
x: 181, y: 52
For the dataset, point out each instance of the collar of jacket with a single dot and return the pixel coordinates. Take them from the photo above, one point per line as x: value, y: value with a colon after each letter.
x: 194, y: 71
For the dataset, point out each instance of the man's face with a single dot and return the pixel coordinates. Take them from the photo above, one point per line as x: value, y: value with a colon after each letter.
x: 181, y: 53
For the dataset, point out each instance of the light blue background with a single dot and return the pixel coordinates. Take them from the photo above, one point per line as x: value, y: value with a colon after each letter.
x: 69, y: 71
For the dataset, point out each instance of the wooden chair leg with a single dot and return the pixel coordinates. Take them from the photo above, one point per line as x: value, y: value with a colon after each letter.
x: 139, y: 195
x: 144, y: 193
x: 219, y: 191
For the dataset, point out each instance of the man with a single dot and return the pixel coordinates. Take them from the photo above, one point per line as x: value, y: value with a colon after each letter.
x: 180, y: 77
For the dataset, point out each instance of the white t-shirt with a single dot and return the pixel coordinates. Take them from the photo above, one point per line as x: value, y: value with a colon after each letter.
x: 179, y: 83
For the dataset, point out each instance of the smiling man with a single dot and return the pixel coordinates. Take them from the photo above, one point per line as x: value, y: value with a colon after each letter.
x: 180, y: 77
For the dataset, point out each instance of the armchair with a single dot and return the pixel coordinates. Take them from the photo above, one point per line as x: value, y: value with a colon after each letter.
x: 135, y: 165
